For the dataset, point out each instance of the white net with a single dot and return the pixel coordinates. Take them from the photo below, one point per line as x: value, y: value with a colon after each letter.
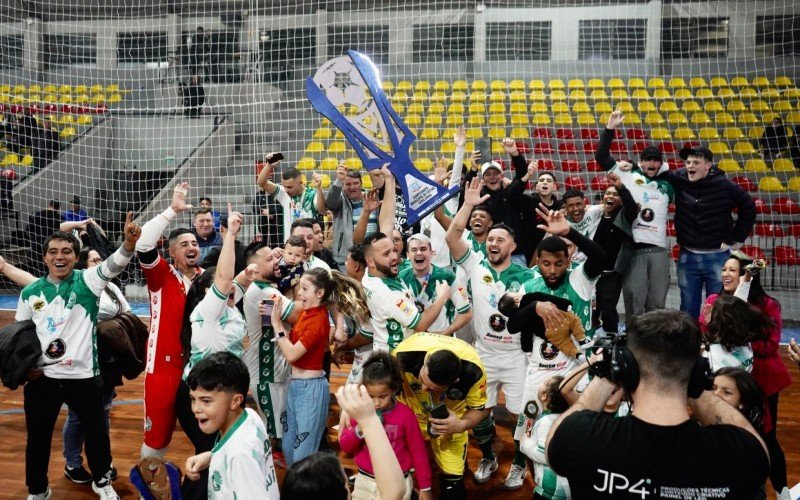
x: 98, y: 102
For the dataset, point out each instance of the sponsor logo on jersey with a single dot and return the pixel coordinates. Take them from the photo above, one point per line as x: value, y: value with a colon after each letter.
x: 56, y: 349
x: 38, y: 305
x: 420, y: 306
x: 487, y: 278
x: 216, y: 480
x: 647, y: 215
x: 497, y: 322
x: 548, y: 351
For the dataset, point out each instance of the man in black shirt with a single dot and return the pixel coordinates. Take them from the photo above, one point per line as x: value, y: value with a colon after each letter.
x: 657, y: 451
x: 40, y: 226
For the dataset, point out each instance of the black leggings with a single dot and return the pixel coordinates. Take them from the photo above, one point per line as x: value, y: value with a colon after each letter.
x: 452, y: 487
x: 193, y: 490
x: 777, y: 472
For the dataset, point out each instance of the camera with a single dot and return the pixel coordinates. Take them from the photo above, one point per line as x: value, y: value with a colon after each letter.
x: 617, y: 364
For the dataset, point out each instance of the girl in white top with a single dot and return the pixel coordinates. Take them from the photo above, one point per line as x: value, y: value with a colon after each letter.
x: 732, y: 325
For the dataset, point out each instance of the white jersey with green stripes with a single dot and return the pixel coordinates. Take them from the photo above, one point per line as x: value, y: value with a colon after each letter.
x: 575, y: 287
x: 391, y: 305
x: 263, y: 357
x: 424, y: 290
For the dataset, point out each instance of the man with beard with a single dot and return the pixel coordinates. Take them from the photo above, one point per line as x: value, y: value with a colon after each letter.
x: 167, y: 285
x: 304, y: 228
x: 580, y: 217
x: 320, y: 252
x: 480, y: 222
x: 505, y: 363
x: 422, y: 276
x: 345, y: 200
x: 390, y: 301
x: 545, y: 188
x: 269, y: 370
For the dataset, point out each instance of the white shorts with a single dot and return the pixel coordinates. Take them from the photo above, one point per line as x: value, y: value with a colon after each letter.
x: 271, y: 405
x: 506, y: 372
x: 360, y: 355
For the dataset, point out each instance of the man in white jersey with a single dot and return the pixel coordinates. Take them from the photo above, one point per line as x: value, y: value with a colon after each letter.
x: 304, y: 228
x: 582, y: 218
x: 64, y: 305
x: 501, y: 353
x: 422, y: 276
x: 390, y: 301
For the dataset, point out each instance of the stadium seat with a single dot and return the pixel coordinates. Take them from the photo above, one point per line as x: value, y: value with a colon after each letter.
x: 438, y: 97
x: 656, y: 83
x: 770, y: 184
x: 9, y: 159
x: 675, y: 252
x: 545, y: 164
x: 785, y: 256
x: 565, y: 134
x: 586, y: 119
x: 619, y: 148
x: 660, y: 134
x: 638, y: 147
x: 755, y: 165
x: 783, y: 165
x: 558, y: 95
x: 576, y: 84
x: 570, y: 165
x: 662, y: 94
x: 574, y: 182
x: 366, y: 181
x: 729, y: 166
x: 619, y: 94
x: 626, y: 107
x: 767, y: 229
x: 713, y: 107
x: 477, y: 96
x: 424, y: 164
x: 753, y: 251
x: 515, y: 85
x: 541, y: 132
x: 748, y: 92
x: 760, y: 106
x: 542, y: 148
x: 472, y: 133
x: 518, y: 120
x: 458, y: 120
x: 743, y: 182
x: 593, y: 166
x: 458, y: 96
x: 704, y: 93
x: 306, y: 163
x: 671, y: 228
x: 700, y: 118
x: 595, y: 84
x: 761, y: 207
x: 589, y: 147
x: 413, y: 120
x: 519, y: 133
x: 456, y: 108
x: 602, y: 108
x: 654, y: 119
x: 733, y: 133
x: 315, y: 147
x: 540, y: 119
x: 636, y: 134
x: 783, y: 106
x: 329, y: 163
x: 697, y: 82
x: 539, y: 107
x: 636, y: 83
x: 537, y: 96
x: 783, y: 82
x: 589, y: 133
x: 472, y: 120
x: 668, y: 148
x: 724, y: 119
x: 556, y: 84
x: 668, y: 107
x: 599, y: 183
x: 683, y: 94
x: 755, y: 132
x: 497, y: 96
x: 322, y: 133
x: 568, y: 148
x: 517, y: 96
x: 747, y: 118
x: 719, y: 148
x: 447, y: 148
x: 337, y: 148
x: 707, y: 134
x: 598, y: 95
x: 559, y: 107
x: 677, y: 119
x: 83, y: 120
x: 429, y: 133
x: 744, y: 148
x: 615, y: 83
x: 718, y: 81
x: 496, y: 133
x: 646, y: 107
x: 562, y: 119
x: 515, y: 108
x: 793, y: 118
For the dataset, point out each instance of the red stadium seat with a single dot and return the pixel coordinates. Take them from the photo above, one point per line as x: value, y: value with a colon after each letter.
x: 502, y: 162
x: 639, y: 146
x: 618, y: 134
x: 593, y: 166
x: 16, y: 109
x: 565, y: 133
x: 589, y: 133
x: 545, y: 164
x: 66, y: 108
x: 794, y: 230
x: 541, y: 133
x: 619, y: 148
x: 674, y: 163
x: 574, y: 182
x: 636, y: 134
x: 671, y: 228
x: 599, y: 183
x: 763, y: 229
x: 49, y: 108
x: 567, y: 148
x: 786, y: 206
x: 761, y: 207
x: 542, y: 148
x: 786, y: 256
x: 676, y: 251
x: 34, y: 109
x: 589, y: 147
x: 668, y: 148
x: 754, y: 252
x: 570, y: 165
x: 690, y: 144
x: 745, y: 183
x: 523, y: 147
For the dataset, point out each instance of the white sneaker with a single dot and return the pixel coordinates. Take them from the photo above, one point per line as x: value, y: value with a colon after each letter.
x: 515, y: 478
x: 485, y: 469
x: 785, y: 494
x: 41, y: 496
x: 105, y: 492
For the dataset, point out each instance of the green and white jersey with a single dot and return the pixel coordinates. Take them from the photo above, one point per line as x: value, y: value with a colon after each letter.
x: 216, y: 327
x: 653, y: 197
x: 474, y: 244
x: 263, y: 358
x: 241, y: 462
x: 424, y: 290
x: 394, y: 315
x: 65, y: 315
x: 314, y: 262
x: 486, y: 287
x: 587, y: 227
x: 302, y: 206
x: 575, y: 287
x: 548, y: 483
x: 739, y: 357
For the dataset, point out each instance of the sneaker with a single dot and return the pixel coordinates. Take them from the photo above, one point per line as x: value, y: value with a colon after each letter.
x: 41, y: 496
x: 515, y: 478
x: 104, y: 490
x: 785, y: 494
x: 114, y: 473
x: 78, y: 475
x: 485, y: 469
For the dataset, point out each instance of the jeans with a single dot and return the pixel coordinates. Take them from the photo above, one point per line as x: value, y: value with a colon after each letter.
x: 74, y: 432
x: 696, y: 270
x: 306, y: 413
x: 43, y: 399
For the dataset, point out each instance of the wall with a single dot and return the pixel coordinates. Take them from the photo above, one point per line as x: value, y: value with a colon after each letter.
x: 145, y: 143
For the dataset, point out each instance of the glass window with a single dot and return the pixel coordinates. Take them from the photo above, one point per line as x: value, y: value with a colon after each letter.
x: 370, y: 40
x: 142, y: 47
x: 600, y: 39
x: 697, y: 38
x: 527, y: 41
x: 443, y: 42
x: 67, y: 49
x: 11, y: 51
x: 777, y: 35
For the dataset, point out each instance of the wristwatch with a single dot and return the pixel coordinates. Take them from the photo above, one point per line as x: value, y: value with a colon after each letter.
x: 281, y: 334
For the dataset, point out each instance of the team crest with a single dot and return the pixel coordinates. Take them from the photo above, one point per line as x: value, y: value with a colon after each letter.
x: 639, y: 181
x: 56, y: 349
x: 497, y: 322
x: 487, y: 278
x: 548, y: 351
x: 38, y: 305
x: 216, y: 481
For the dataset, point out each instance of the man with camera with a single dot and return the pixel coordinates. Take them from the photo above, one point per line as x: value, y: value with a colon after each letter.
x: 658, y: 449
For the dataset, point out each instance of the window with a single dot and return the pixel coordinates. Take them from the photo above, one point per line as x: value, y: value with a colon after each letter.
x: 214, y: 54
x: 11, y: 51
x: 370, y: 40
x: 282, y: 51
x: 142, y: 47
x: 777, y: 35
x: 697, y: 38
x: 69, y: 49
x: 600, y: 39
x: 527, y: 41
x: 443, y: 42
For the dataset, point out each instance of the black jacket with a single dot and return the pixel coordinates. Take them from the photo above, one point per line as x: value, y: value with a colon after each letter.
x: 703, y: 209
x: 20, y: 349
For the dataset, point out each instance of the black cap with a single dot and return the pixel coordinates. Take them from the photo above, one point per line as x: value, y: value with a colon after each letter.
x: 223, y: 221
x: 651, y: 153
x: 76, y: 200
x: 696, y: 151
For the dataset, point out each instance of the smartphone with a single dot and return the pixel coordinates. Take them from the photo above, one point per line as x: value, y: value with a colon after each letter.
x: 275, y: 158
x: 266, y: 319
x: 484, y: 145
x: 440, y: 411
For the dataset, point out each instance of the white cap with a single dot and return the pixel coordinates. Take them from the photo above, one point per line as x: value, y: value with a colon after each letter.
x: 491, y: 164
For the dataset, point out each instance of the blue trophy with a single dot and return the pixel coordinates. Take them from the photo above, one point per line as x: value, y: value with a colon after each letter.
x: 375, y: 131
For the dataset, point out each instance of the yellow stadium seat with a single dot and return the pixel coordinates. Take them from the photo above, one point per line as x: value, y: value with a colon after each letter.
x: 497, y: 96
x: 576, y: 84
x: 496, y: 133
x: 756, y: 165
x: 37, y: 89
x: 366, y: 181
x: 400, y: 96
x: 326, y: 181
x: 640, y: 94
x: 84, y: 120
x: 47, y: 89
x: 708, y: 133
x: 456, y: 108
x: 602, y: 107
x: 65, y: 99
x: 794, y: 183
x: 419, y: 97
x: 436, y: 107
x: 517, y: 96
x: 598, y: 95
x: 759, y: 106
x: 398, y: 107
x: 515, y: 85
x: 387, y: 86
x: 519, y: 133
x: 782, y: 106
x: 768, y: 117
x: 683, y: 133
x: 50, y: 99
x: 755, y: 132
x: 697, y: 82
x: 654, y: 119
x: 713, y: 107
x: 537, y: 96
x: 733, y: 133
x: 415, y: 109
x: 719, y: 148
x: 726, y: 93
x: 760, y: 81
x: 65, y: 89
x: 337, y: 147
x: 556, y: 84
x: 584, y: 120
x: 683, y: 93
x: 422, y: 86
x: 497, y: 148
x: 793, y: 118
x: 476, y: 120
x: 704, y: 93
x: 747, y: 118
x: 19, y: 89
x: 724, y: 118
x: 668, y: 107
x: 677, y: 119
x: 577, y: 95
x: 559, y: 107
x: 540, y: 119
x: 454, y: 120
x: 498, y: 85
x: 516, y: 107
x: 438, y: 97
x: 636, y: 83
x: 519, y: 120
x: 744, y: 148
x: 690, y: 107
x: 495, y: 107
x: 441, y: 85
x: 581, y: 107
x: 435, y: 120
x: 558, y: 95
x: 328, y: 163
x: 539, y: 107
x: 536, y: 85
x: 783, y: 82
x: 497, y: 120
x: 458, y: 96
x: 67, y: 132
x: 739, y: 81
x: 322, y: 133
x: 676, y: 82
x: 479, y: 86
x: 477, y: 96
x: 353, y: 163
x: 404, y: 86
x: 770, y: 93
x: 618, y: 94
x: 656, y: 83
x: 114, y: 98
x: 735, y: 106
x: 783, y: 165
x: 660, y: 134
x: 562, y: 120
x: 615, y: 83
x: 474, y: 133
x: 729, y: 166
x: 719, y: 81
x: 662, y: 94
x: 96, y: 88
x: 448, y: 148
x: 424, y: 164
x: 413, y: 120
x: 770, y: 184
x: 9, y: 159
x: 595, y: 83
x: 26, y: 161
x: 632, y: 119
x: 624, y: 106
x: 748, y: 93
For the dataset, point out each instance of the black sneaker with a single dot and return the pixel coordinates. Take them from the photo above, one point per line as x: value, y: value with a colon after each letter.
x: 78, y: 475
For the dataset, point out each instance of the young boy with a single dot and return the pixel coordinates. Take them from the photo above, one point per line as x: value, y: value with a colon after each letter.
x: 290, y: 268
x: 240, y: 465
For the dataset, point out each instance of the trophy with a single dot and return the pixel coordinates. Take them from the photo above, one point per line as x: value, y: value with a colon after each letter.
x: 375, y: 131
